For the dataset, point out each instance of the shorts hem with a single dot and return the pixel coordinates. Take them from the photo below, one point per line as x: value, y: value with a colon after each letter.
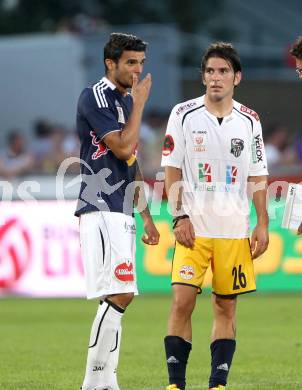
x: 104, y: 295
x: 188, y: 284
x: 232, y: 295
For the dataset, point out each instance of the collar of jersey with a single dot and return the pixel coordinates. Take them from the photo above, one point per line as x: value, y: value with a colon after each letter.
x: 108, y: 82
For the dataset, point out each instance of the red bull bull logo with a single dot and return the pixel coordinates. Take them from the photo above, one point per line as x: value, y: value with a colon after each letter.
x: 101, y: 146
x: 186, y: 272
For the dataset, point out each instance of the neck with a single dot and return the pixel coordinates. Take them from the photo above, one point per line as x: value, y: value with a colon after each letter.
x: 220, y: 108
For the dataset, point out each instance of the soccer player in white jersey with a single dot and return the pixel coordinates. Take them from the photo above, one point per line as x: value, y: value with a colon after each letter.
x: 212, y: 150
x: 108, y: 124
x: 296, y: 52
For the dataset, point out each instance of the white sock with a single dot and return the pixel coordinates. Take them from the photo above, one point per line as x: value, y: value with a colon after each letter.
x: 102, y: 337
x: 110, y: 370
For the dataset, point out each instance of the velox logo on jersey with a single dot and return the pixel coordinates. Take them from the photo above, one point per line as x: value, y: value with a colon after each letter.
x: 186, y: 272
x: 198, y: 140
x: 121, y: 117
x: 231, y: 174
x: 124, y: 271
x: 101, y: 146
x: 204, y: 172
x: 168, y: 146
x: 185, y: 107
x: 249, y: 112
x: 257, y: 149
x: 237, y: 145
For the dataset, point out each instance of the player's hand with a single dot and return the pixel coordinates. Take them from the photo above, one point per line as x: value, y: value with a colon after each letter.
x: 141, y: 89
x: 151, y: 236
x: 299, y: 229
x: 184, y: 232
x: 259, y: 240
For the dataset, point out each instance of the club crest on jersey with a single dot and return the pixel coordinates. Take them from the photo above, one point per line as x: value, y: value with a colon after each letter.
x: 237, y: 145
x: 186, y: 272
x: 101, y: 146
x: 199, y: 140
x: 168, y: 146
x: 124, y: 271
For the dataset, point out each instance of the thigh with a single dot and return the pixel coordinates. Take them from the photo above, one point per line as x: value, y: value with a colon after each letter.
x: 108, y: 253
x: 233, y: 269
x: 189, y: 265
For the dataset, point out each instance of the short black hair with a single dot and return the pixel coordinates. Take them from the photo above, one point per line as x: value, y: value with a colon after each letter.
x: 222, y: 50
x: 296, y: 50
x: 118, y: 43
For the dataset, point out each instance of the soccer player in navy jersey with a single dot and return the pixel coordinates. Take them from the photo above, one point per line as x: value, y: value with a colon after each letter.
x: 296, y: 52
x: 108, y: 124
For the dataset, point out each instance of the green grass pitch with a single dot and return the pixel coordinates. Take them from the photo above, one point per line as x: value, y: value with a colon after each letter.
x: 43, y: 343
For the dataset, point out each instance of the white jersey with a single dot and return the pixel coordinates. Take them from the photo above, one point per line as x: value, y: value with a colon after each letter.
x: 216, y: 160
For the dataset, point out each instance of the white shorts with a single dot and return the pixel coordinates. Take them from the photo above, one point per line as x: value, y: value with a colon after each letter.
x: 108, y: 252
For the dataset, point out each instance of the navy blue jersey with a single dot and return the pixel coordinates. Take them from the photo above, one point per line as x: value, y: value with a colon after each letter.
x: 106, y: 180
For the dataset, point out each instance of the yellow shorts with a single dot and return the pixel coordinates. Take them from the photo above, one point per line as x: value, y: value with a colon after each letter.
x: 230, y: 260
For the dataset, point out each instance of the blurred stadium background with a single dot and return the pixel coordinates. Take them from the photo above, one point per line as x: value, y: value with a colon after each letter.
x: 51, y: 49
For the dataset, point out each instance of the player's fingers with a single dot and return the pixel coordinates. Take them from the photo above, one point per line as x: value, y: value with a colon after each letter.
x: 253, y: 243
x: 189, y: 238
x: 134, y: 80
x: 180, y: 237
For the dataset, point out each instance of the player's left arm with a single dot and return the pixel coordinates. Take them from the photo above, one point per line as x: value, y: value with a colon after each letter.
x: 299, y: 229
x: 260, y: 237
x: 151, y: 236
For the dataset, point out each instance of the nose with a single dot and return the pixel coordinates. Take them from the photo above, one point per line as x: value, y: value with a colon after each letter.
x: 138, y: 69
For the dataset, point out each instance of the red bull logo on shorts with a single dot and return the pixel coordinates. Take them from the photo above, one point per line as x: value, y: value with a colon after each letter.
x: 186, y: 272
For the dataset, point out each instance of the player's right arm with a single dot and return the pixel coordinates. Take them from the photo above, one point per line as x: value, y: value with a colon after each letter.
x: 183, y: 228
x: 123, y: 143
x: 300, y: 229
x: 173, y: 157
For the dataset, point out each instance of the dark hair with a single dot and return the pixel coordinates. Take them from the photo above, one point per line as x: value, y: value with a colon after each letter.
x: 222, y: 50
x: 118, y: 43
x: 296, y: 50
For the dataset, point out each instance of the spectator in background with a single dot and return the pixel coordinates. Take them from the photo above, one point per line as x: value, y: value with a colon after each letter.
x: 15, y: 160
x: 278, y: 151
x: 152, y: 135
x: 296, y: 52
x: 42, y: 142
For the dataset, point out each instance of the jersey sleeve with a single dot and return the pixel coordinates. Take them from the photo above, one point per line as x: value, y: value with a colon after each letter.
x: 174, y: 143
x: 258, y: 163
x: 101, y: 119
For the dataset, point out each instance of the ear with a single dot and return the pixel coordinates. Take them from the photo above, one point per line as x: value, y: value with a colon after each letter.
x: 110, y: 64
x: 237, y: 78
x: 203, y: 80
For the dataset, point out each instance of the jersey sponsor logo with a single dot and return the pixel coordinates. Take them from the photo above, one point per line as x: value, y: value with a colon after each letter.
x: 185, y: 107
x: 102, y: 148
x: 250, y: 112
x: 121, y: 116
x: 186, y: 272
x: 257, y: 149
x: 130, y: 228
x: 124, y: 272
x: 204, y: 172
x: 198, y: 140
x: 231, y: 174
x: 168, y: 146
x: 15, y: 251
x: 237, y: 145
